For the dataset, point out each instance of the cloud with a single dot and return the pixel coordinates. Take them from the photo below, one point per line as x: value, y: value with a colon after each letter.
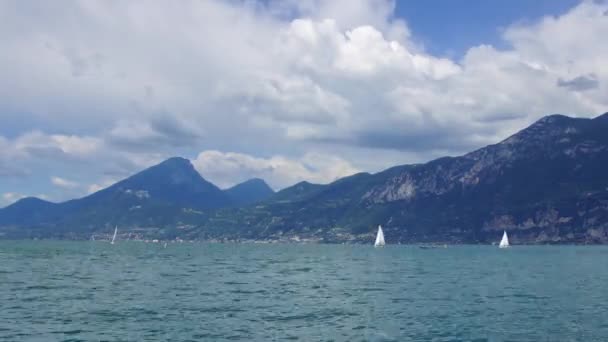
x: 56, y: 145
x: 18, y: 155
x: 164, y: 130
x: 11, y: 197
x: 580, y: 83
x: 348, y: 14
x: 100, y: 185
x: 64, y: 183
x: 8, y: 156
x: 103, y: 89
x: 329, y: 70
x: 227, y: 169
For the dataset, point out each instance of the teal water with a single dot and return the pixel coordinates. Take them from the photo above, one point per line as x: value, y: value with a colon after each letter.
x: 93, y: 291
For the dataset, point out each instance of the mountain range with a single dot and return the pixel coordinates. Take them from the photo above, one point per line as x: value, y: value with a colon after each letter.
x: 545, y: 184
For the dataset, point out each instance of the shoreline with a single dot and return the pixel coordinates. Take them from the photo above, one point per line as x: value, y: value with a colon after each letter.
x: 430, y: 245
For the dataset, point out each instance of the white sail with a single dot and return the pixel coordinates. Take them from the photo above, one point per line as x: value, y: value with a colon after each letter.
x: 114, y: 236
x: 504, y: 243
x: 379, y: 238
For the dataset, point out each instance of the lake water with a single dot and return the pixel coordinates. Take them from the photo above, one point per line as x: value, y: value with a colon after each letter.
x: 94, y: 291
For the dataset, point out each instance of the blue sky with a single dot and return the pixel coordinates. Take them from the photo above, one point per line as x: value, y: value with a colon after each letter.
x: 450, y: 28
x: 93, y: 91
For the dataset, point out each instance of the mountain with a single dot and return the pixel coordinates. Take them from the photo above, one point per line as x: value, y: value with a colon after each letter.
x: 174, y: 181
x: 297, y: 192
x: 25, y: 210
x: 249, y: 192
x: 545, y: 184
x: 165, y: 194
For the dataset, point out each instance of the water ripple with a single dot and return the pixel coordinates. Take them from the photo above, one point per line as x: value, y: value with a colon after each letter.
x: 83, y: 291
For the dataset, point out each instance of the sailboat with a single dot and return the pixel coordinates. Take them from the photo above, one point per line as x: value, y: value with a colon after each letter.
x: 379, y: 238
x: 504, y: 243
x: 114, y: 236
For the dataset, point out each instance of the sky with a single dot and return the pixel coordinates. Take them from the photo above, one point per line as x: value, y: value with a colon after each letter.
x: 94, y: 91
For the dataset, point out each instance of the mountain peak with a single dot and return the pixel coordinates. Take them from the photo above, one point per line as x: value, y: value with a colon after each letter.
x: 258, y: 181
x: 544, y: 129
x: 176, y: 161
x: 174, y: 181
x: 176, y: 164
x: 303, y: 184
x: 25, y: 209
x: 553, y: 118
x: 30, y: 201
x: 249, y: 191
x: 297, y: 191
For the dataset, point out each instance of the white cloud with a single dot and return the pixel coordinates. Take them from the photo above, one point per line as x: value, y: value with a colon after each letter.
x: 120, y: 86
x: 100, y: 186
x: 338, y: 70
x: 349, y: 14
x: 366, y: 51
x: 68, y: 146
x: 227, y: 169
x: 11, y: 197
x: 64, y: 183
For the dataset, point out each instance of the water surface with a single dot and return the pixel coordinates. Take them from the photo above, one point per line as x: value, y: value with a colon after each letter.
x: 94, y: 291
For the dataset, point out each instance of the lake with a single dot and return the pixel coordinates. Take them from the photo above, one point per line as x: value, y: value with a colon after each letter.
x: 133, y: 291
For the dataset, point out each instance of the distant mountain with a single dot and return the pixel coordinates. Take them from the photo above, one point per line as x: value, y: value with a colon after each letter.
x: 174, y: 181
x: 297, y: 192
x: 164, y: 194
x: 248, y: 192
x: 25, y: 210
x: 546, y: 184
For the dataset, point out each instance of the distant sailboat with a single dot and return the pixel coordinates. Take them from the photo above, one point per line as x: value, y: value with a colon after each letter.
x: 114, y: 236
x: 504, y: 243
x: 379, y: 238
